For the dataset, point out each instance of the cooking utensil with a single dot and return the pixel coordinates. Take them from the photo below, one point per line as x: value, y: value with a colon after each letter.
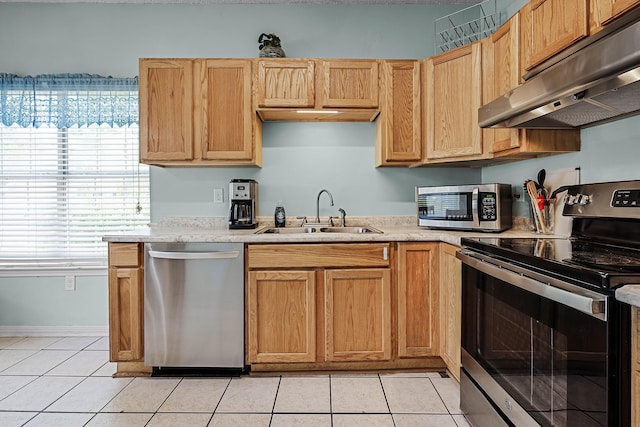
x: 535, y: 204
x: 542, y: 174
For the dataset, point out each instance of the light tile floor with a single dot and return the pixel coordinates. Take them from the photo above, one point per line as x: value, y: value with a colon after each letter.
x: 67, y: 382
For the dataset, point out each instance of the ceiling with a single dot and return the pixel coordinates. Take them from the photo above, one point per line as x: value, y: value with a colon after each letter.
x: 454, y: 2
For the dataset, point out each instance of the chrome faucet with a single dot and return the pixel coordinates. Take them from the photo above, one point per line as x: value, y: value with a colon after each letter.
x: 318, y: 204
x: 343, y: 215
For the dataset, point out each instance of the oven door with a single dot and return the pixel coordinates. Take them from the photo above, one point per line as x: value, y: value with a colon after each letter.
x: 542, y: 351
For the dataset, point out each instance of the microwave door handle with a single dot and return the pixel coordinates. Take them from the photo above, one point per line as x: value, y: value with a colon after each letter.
x: 475, y: 195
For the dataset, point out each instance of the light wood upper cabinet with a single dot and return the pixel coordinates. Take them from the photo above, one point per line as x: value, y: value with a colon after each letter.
x: 358, y: 314
x: 452, y: 96
x: 225, y: 122
x: 126, y: 297
x: 282, y: 316
x: 286, y: 83
x: 501, y: 65
x: 549, y: 26
x: 166, y: 105
x: 330, y: 90
x: 348, y: 83
x: 603, y: 12
x: 418, y: 304
x: 398, y: 130
x: 450, y: 307
x: 198, y: 112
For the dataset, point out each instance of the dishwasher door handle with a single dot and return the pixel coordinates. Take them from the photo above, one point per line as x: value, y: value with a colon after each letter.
x: 194, y: 255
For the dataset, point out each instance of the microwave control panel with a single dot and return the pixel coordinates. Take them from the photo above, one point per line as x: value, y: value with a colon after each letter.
x: 488, y: 208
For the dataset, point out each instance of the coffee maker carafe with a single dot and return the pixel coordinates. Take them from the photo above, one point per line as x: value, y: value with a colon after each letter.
x: 243, y: 201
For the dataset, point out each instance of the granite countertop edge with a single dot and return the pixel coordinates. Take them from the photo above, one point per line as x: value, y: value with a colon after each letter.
x: 629, y: 294
x: 214, y: 230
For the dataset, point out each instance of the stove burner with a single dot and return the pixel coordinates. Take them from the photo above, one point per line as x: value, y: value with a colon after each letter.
x: 604, y: 259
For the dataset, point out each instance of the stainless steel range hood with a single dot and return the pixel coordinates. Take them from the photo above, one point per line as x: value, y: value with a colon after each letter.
x: 596, y: 82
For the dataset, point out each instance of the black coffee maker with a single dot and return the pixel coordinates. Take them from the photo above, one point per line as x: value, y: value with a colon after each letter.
x: 243, y: 203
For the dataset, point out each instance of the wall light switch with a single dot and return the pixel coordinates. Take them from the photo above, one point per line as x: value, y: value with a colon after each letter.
x: 69, y: 283
x: 218, y: 195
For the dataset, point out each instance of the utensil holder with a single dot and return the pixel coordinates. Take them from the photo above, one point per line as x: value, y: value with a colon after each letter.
x: 545, y: 222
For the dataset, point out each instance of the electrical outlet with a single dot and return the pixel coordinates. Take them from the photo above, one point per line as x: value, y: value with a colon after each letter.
x: 69, y: 283
x: 218, y: 195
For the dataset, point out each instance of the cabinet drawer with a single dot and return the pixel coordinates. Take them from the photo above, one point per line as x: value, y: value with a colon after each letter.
x: 318, y: 255
x: 124, y: 254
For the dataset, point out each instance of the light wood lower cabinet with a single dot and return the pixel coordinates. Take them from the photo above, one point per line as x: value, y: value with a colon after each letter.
x: 126, y: 307
x: 450, y: 307
x: 418, y: 310
x: 337, y: 307
x: 282, y: 316
x: 358, y: 314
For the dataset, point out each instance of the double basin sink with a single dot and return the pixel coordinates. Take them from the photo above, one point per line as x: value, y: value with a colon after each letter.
x: 319, y: 229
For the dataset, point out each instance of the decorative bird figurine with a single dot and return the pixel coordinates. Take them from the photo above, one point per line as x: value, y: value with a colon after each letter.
x: 270, y: 46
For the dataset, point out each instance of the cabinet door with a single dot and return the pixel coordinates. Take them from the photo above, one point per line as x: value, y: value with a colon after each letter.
x: 126, y: 314
x: 286, y: 83
x: 225, y: 123
x: 604, y: 11
x: 452, y: 97
x: 398, y: 133
x: 450, y: 307
x: 358, y: 314
x: 418, y: 299
x: 553, y: 25
x: 282, y: 316
x: 501, y: 61
x: 166, y: 108
x: 619, y: 7
x: 349, y: 83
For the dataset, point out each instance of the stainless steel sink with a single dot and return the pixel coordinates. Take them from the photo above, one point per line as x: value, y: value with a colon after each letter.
x: 299, y: 230
x: 356, y: 230
x: 289, y: 230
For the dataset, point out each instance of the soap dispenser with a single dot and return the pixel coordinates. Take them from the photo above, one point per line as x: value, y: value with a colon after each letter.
x: 279, y: 215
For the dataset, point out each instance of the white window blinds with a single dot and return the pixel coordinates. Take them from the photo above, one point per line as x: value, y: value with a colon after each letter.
x: 62, y: 187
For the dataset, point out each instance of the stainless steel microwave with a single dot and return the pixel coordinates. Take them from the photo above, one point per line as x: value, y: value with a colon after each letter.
x: 483, y: 207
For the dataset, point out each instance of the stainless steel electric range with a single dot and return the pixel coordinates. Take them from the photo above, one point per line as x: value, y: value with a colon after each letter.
x: 544, y: 342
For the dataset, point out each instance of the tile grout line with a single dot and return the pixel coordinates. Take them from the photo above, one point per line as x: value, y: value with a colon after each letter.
x: 386, y: 400
x: 275, y: 399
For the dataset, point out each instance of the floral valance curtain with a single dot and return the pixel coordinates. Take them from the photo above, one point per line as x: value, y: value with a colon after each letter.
x: 65, y: 100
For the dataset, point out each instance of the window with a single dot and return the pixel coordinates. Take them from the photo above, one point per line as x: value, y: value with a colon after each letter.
x: 69, y: 170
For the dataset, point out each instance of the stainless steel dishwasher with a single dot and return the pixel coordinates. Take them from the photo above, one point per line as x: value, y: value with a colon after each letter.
x: 194, y: 305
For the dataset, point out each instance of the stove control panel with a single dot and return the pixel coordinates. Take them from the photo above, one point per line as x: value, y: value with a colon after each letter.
x: 605, y: 199
x: 626, y: 199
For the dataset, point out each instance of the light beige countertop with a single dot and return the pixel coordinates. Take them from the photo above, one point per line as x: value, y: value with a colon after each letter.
x: 215, y: 229
x: 629, y: 294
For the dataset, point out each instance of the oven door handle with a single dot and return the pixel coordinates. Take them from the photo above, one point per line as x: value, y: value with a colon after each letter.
x: 583, y: 300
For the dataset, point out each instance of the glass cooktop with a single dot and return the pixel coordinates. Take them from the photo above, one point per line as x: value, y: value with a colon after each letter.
x: 585, y: 262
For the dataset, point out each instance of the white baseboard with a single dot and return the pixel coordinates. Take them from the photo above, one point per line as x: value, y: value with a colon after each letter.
x: 53, y: 331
